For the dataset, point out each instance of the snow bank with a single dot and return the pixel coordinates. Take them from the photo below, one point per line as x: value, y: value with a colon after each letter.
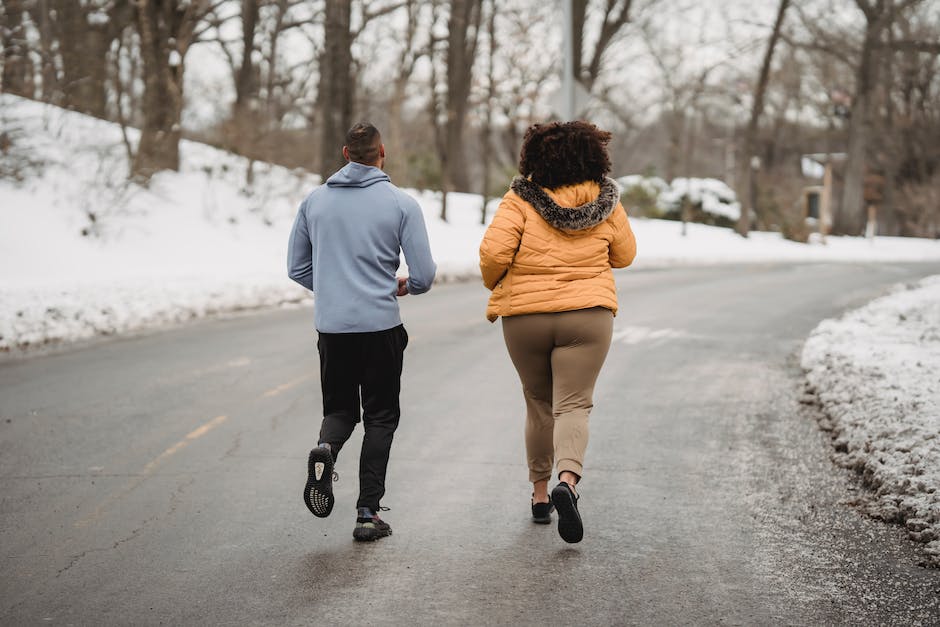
x: 876, y: 372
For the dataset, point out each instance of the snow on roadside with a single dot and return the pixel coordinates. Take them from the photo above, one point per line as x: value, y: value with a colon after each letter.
x: 876, y: 373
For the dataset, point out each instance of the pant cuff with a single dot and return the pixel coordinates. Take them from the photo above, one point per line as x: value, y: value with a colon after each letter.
x: 569, y: 465
x: 539, y: 475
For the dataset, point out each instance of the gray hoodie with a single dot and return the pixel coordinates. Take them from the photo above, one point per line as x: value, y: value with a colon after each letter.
x: 346, y: 244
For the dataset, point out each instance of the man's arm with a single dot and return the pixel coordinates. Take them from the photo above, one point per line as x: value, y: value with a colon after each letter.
x: 417, y: 248
x: 300, y: 252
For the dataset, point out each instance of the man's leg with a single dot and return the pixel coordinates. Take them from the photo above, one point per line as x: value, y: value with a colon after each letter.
x: 382, y: 359
x: 339, y: 382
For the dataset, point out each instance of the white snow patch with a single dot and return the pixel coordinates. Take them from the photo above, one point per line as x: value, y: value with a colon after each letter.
x: 637, y: 335
x: 713, y: 195
x: 652, y: 185
x: 876, y: 372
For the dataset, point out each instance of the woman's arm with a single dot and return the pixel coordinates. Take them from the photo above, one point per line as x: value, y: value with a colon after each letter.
x: 501, y: 241
x: 623, y: 245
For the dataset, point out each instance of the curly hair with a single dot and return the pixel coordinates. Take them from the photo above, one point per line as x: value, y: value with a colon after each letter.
x: 563, y: 153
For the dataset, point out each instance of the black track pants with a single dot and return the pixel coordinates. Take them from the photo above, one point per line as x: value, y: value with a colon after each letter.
x: 364, y: 366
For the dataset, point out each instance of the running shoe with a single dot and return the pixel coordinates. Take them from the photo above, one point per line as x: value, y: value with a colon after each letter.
x: 569, y: 520
x: 369, y: 527
x: 318, y: 493
x: 542, y: 512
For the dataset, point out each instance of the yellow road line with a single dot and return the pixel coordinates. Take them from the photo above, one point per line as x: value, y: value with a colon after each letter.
x: 152, y: 465
x: 196, y: 433
x: 285, y: 386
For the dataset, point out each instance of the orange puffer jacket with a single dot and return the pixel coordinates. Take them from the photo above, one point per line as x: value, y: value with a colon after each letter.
x: 553, y: 250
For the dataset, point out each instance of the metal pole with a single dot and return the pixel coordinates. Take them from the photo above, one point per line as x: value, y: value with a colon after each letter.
x: 567, y: 76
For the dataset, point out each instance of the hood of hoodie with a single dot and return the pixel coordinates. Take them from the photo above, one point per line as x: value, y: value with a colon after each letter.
x: 357, y: 175
x: 583, y: 205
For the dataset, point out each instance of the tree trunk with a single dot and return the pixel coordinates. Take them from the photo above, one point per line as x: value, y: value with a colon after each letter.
x: 395, y: 165
x: 675, y: 126
x: 757, y: 108
x: 40, y: 13
x: 166, y: 29
x: 83, y: 50
x: 246, y: 85
x: 849, y: 217
x: 17, y: 77
x: 336, y: 86
x: 463, y: 33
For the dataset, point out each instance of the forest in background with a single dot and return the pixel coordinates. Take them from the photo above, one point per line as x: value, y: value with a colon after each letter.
x: 731, y: 90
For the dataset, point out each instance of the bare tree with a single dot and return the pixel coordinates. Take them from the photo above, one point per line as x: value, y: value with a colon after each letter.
x: 166, y: 29
x: 749, y: 180
x: 449, y: 110
x: 246, y: 80
x: 17, y: 73
x: 683, y: 82
x: 85, y: 32
x: 74, y: 42
x: 335, y: 95
x: 413, y: 47
x: 524, y: 73
x: 880, y: 15
x: 614, y: 15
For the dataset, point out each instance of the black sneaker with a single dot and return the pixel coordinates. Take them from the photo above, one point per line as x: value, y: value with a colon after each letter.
x: 369, y: 527
x: 569, y: 520
x: 542, y: 512
x: 318, y: 493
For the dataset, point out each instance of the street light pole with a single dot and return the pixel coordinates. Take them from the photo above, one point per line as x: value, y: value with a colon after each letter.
x: 567, y: 77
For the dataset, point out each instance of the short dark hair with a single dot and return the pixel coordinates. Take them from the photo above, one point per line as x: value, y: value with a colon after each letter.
x: 563, y: 153
x: 364, y: 143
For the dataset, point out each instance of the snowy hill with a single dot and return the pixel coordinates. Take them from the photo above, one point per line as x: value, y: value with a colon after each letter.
x: 84, y: 252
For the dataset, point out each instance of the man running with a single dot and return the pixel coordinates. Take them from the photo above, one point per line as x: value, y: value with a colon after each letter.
x: 345, y: 246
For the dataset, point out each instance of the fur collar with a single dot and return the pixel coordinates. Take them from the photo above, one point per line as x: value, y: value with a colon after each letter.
x: 569, y: 218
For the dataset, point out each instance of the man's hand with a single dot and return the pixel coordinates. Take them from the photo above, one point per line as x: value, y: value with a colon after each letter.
x: 402, y: 286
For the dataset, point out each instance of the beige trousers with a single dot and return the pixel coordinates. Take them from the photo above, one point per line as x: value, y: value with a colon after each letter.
x: 558, y: 357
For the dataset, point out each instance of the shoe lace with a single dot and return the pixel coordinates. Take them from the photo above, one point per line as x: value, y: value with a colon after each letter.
x: 335, y: 476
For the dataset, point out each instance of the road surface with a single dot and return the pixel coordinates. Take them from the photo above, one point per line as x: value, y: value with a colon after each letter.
x: 158, y: 479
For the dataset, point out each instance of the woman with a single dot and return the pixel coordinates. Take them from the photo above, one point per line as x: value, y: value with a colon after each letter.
x: 547, y: 257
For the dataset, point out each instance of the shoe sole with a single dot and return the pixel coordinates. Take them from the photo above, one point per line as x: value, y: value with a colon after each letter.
x: 569, y: 520
x: 365, y: 534
x: 318, y: 493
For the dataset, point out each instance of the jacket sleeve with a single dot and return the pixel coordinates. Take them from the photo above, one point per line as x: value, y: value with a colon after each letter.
x: 417, y: 248
x: 300, y: 251
x: 623, y: 245
x: 500, y: 242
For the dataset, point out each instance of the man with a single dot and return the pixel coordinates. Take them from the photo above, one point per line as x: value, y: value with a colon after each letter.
x: 345, y: 246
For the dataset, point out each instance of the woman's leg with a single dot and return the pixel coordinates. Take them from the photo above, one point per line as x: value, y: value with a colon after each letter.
x: 582, y: 342
x: 530, y: 342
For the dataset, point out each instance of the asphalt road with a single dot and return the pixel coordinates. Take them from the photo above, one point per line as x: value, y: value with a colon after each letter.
x: 158, y: 479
